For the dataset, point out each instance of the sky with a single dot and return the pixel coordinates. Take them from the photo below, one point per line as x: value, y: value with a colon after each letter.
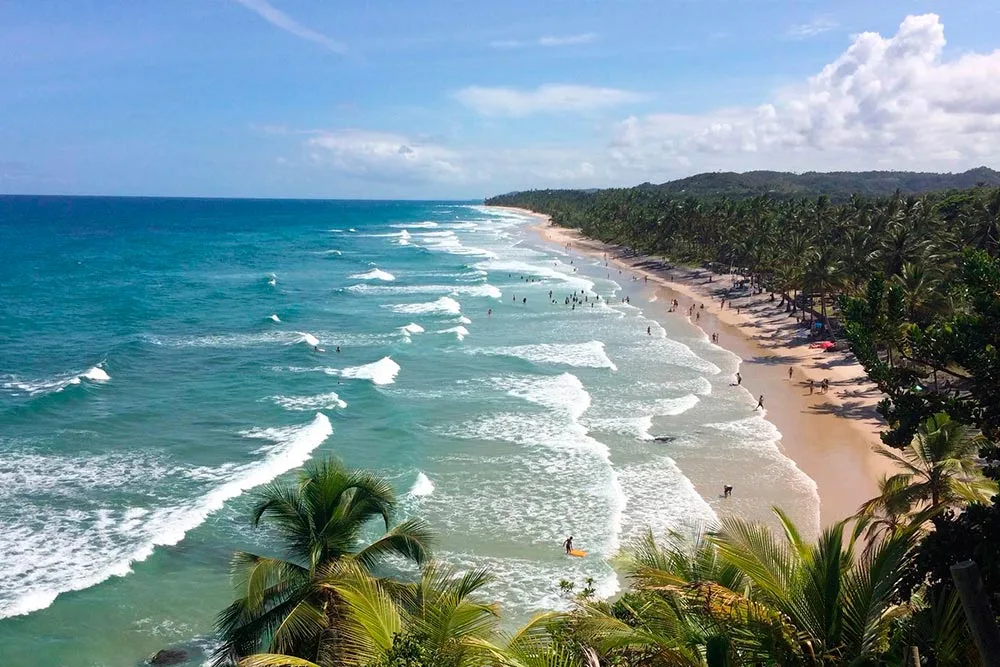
x: 460, y: 99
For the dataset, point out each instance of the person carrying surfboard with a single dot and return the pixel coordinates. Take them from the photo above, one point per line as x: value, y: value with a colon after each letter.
x: 568, y: 544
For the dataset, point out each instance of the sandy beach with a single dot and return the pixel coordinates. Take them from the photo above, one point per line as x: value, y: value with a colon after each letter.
x: 828, y: 435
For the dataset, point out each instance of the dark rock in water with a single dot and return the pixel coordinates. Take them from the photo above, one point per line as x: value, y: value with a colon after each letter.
x: 663, y: 438
x: 168, y: 656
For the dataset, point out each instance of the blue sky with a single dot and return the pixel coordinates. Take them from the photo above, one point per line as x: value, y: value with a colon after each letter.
x: 460, y: 99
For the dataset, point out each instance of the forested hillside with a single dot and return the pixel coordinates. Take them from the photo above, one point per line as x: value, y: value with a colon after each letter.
x: 839, y: 186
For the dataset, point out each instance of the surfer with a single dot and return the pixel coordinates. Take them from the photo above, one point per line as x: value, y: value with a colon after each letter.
x: 568, y: 544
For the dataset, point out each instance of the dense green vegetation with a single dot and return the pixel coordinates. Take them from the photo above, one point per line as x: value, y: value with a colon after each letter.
x: 839, y: 186
x: 912, y: 283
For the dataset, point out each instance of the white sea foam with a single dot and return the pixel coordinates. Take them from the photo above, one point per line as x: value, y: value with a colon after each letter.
x: 754, y: 431
x: 95, y: 374
x: 565, y: 400
x: 331, y: 253
x: 464, y: 320
x: 423, y: 486
x: 427, y: 224
x: 636, y: 427
x: 307, y: 338
x: 671, y: 407
x: 448, y: 241
x: 662, y: 498
x: 443, y: 306
x: 327, y: 401
x: 485, y: 290
x: 383, y: 371
x: 413, y: 328
x: 546, y: 274
x: 678, y: 353
x: 374, y: 274
x: 242, y: 340
x: 459, y: 331
x: 42, y: 556
x: 274, y: 318
x: 55, y: 384
x: 584, y: 355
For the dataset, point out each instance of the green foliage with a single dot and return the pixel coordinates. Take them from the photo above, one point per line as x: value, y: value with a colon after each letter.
x: 838, y: 186
x: 408, y: 650
x: 284, y: 605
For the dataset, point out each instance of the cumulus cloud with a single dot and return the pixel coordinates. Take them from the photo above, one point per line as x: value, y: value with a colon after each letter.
x: 811, y: 29
x: 363, y: 152
x: 548, y: 40
x: 545, y: 98
x: 889, y: 102
x: 280, y: 19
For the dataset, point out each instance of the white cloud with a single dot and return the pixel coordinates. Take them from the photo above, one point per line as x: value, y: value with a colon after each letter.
x: 385, y: 154
x: 811, y: 29
x: 546, y: 98
x: 278, y: 18
x: 567, y: 40
x: 547, y: 41
x: 889, y: 102
x: 886, y: 102
x: 507, y: 44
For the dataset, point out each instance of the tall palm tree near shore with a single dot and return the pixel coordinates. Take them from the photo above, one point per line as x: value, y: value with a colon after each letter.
x: 940, y: 471
x: 287, y: 605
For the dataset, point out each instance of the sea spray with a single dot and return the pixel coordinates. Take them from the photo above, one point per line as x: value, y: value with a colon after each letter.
x: 43, y: 564
x: 383, y: 371
x: 423, y: 486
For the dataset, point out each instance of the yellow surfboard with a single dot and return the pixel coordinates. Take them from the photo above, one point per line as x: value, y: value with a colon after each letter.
x: 577, y: 553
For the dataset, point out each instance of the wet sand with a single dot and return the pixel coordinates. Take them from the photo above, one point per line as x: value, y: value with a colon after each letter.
x: 828, y: 435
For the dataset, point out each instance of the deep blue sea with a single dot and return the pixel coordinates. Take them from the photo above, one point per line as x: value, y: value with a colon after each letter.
x: 159, y: 358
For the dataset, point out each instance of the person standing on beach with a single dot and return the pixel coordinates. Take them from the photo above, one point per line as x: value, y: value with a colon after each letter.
x: 727, y: 490
x: 760, y: 403
x: 810, y: 386
x: 789, y: 373
x: 739, y: 379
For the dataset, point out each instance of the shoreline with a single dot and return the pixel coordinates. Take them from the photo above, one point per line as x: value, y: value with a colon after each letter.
x: 828, y: 436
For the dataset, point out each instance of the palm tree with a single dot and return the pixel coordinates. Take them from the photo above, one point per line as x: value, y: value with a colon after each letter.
x: 940, y: 470
x: 748, y: 596
x: 439, y: 616
x: 287, y: 605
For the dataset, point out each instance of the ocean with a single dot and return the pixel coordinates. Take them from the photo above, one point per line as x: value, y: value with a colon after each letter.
x: 160, y: 358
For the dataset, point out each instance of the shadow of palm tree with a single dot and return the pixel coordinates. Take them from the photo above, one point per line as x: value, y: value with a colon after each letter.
x: 849, y: 410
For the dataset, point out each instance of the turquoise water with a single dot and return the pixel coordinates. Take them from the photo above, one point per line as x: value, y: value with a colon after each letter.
x: 158, y: 359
